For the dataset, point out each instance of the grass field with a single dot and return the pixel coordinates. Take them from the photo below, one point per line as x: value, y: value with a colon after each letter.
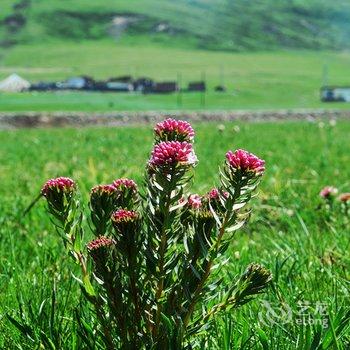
x: 262, y: 80
x: 308, y: 255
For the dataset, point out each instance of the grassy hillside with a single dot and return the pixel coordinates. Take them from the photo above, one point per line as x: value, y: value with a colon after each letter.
x: 216, y: 24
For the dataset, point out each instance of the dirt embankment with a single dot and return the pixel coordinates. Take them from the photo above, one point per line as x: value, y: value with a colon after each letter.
x: 64, y: 119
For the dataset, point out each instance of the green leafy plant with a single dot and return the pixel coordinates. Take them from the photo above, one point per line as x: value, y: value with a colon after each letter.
x: 152, y: 272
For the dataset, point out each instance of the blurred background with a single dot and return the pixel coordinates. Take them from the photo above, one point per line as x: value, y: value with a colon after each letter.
x: 166, y: 55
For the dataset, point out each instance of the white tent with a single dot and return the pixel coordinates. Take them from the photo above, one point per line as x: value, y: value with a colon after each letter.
x: 14, y: 83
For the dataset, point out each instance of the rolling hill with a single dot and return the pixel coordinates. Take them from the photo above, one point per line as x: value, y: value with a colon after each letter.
x: 237, y: 25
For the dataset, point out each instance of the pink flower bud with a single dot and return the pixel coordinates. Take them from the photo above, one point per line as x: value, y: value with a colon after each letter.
x: 245, y: 161
x: 121, y: 184
x: 328, y: 192
x: 344, y: 197
x: 60, y: 184
x: 214, y: 194
x: 173, y: 153
x: 99, y: 249
x: 123, y: 216
x: 194, y: 201
x: 174, y: 130
x: 103, y: 190
x: 100, y: 242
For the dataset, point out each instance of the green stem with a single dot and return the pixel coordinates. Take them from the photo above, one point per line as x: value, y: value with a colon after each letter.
x: 108, y: 340
x: 161, y: 252
x: 31, y: 205
x: 209, y: 265
x: 134, y: 292
x: 206, y: 274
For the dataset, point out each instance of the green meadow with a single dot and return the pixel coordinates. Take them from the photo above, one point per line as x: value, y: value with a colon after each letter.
x: 263, y: 80
x: 290, y: 232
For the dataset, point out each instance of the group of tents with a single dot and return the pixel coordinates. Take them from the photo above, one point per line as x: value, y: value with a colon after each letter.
x: 14, y: 83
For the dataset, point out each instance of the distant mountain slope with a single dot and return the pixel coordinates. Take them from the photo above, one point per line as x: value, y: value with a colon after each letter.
x: 236, y: 25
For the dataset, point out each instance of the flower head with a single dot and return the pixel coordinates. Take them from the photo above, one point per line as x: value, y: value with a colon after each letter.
x: 59, y: 195
x: 124, y: 216
x: 328, y: 192
x: 255, y: 278
x: 194, y: 201
x: 103, y: 200
x: 174, y: 130
x: 127, y: 193
x: 60, y: 184
x: 99, y: 249
x: 245, y: 161
x: 213, y: 193
x: 173, y: 153
x: 126, y: 224
x: 122, y: 184
x: 103, y: 190
x: 344, y: 197
x: 100, y: 242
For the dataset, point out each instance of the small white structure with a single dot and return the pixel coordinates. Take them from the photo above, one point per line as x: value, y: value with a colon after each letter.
x: 342, y: 94
x: 14, y: 83
x: 74, y: 83
x: 335, y: 94
x: 120, y: 86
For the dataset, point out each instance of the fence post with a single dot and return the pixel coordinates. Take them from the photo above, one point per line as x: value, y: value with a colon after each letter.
x: 202, y: 96
x: 179, y: 92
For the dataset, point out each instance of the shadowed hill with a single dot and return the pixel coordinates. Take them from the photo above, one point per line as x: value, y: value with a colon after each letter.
x: 237, y: 25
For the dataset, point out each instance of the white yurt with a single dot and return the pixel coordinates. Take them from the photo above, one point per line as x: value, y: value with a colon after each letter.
x: 14, y: 83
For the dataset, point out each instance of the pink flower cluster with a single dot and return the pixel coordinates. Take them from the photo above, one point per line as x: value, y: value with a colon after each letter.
x: 171, y: 129
x: 241, y: 159
x: 173, y: 153
x: 115, y: 188
x: 100, y: 242
x: 328, y: 191
x: 60, y: 184
x: 125, y: 183
x: 215, y: 194
x: 123, y: 215
x: 194, y: 201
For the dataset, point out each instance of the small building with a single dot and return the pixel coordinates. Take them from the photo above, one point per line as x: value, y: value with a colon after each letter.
x: 335, y: 94
x: 165, y: 87
x: 143, y: 84
x: 43, y: 86
x: 119, y: 86
x: 220, y: 88
x: 122, y: 79
x: 76, y: 83
x: 197, y: 86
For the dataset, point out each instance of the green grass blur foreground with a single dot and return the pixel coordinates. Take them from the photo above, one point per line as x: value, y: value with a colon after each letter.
x: 256, y: 80
x: 308, y: 255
